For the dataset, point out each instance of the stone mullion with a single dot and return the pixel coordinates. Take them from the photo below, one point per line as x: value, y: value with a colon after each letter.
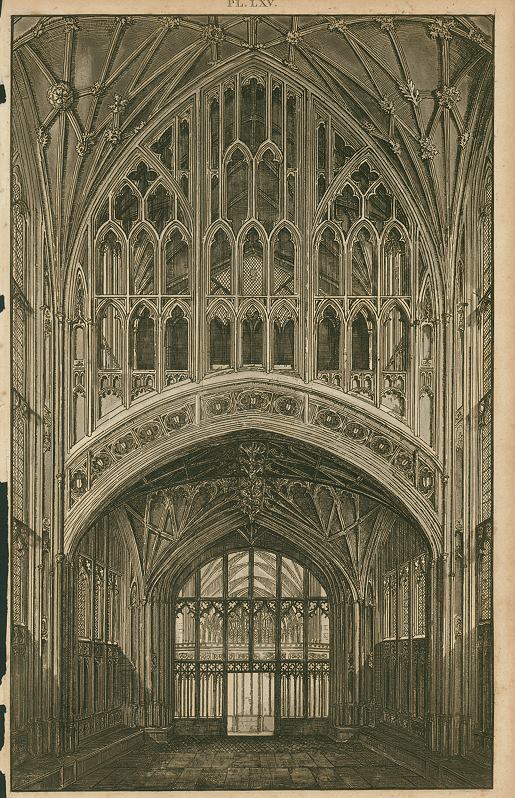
x: 361, y: 636
x: 145, y: 660
x: 90, y: 355
x: 446, y: 674
x: 415, y: 344
x: 338, y: 649
x: 471, y: 495
x: 278, y: 606
x: 199, y: 284
x: 59, y: 643
x: 305, y: 643
x: 305, y: 272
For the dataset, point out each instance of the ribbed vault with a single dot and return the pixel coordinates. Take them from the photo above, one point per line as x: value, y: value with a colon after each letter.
x: 412, y: 87
x: 252, y: 489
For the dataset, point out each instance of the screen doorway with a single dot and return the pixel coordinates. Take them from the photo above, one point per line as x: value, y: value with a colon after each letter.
x: 250, y: 703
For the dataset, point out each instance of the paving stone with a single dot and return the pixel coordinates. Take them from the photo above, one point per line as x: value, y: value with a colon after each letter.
x: 320, y: 760
x: 187, y: 779
x: 281, y: 778
x: 259, y: 763
x: 303, y: 778
x: 260, y: 779
x: 326, y: 777
x: 237, y: 778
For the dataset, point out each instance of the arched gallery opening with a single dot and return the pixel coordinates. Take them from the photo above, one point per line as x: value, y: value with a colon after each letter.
x: 253, y: 630
x: 252, y: 379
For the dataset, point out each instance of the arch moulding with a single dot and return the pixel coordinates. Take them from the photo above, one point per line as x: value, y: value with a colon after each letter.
x: 100, y: 472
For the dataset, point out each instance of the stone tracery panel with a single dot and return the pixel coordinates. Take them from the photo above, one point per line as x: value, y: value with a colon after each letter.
x: 256, y: 241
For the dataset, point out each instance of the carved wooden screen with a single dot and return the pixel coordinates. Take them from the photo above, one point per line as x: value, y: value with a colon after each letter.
x: 400, y: 653
x: 100, y: 676
x: 249, y: 624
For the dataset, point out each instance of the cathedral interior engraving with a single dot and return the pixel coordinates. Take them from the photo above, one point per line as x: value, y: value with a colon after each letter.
x: 251, y: 490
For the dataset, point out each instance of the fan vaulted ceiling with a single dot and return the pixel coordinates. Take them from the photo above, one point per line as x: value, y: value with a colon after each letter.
x: 415, y: 86
x: 250, y: 483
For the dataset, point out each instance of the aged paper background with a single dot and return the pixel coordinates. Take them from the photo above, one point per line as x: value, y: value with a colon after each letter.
x: 504, y: 446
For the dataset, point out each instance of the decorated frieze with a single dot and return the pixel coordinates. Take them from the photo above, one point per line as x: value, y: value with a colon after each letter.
x: 408, y: 462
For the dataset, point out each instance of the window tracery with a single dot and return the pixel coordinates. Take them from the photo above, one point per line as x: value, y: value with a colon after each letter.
x: 251, y: 615
x: 251, y: 244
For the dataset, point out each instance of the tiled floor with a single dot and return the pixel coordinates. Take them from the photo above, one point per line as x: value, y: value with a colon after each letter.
x: 192, y: 763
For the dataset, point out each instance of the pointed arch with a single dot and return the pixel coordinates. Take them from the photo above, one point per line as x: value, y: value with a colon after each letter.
x: 160, y: 206
x: 252, y: 122
x: 395, y: 257
x: 220, y: 309
x: 220, y: 248
x: 142, y: 332
x: 252, y: 320
x: 221, y: 326
x: 283, y: 324
x: 176, y: 260
x: 237, y: 186
x: 110, y: 348
x: 346, y: 207
x: 329, y: 258
x: 284, y: 252
x: 379, y: 204
x: 328, y: 338
x: 362, y: 343
x: 252, y: 274
x: 126, y: 206
x: 142, y: 261
x: 110, y: 336
x: 110, y: 261
x: 363, y: 248
x: 268, y: 182
x: 395, y: 357
x: 176, y: 339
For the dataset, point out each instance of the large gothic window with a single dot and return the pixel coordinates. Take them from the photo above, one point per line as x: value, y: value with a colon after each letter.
x: 255, y: 625
x: 278, y: 224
